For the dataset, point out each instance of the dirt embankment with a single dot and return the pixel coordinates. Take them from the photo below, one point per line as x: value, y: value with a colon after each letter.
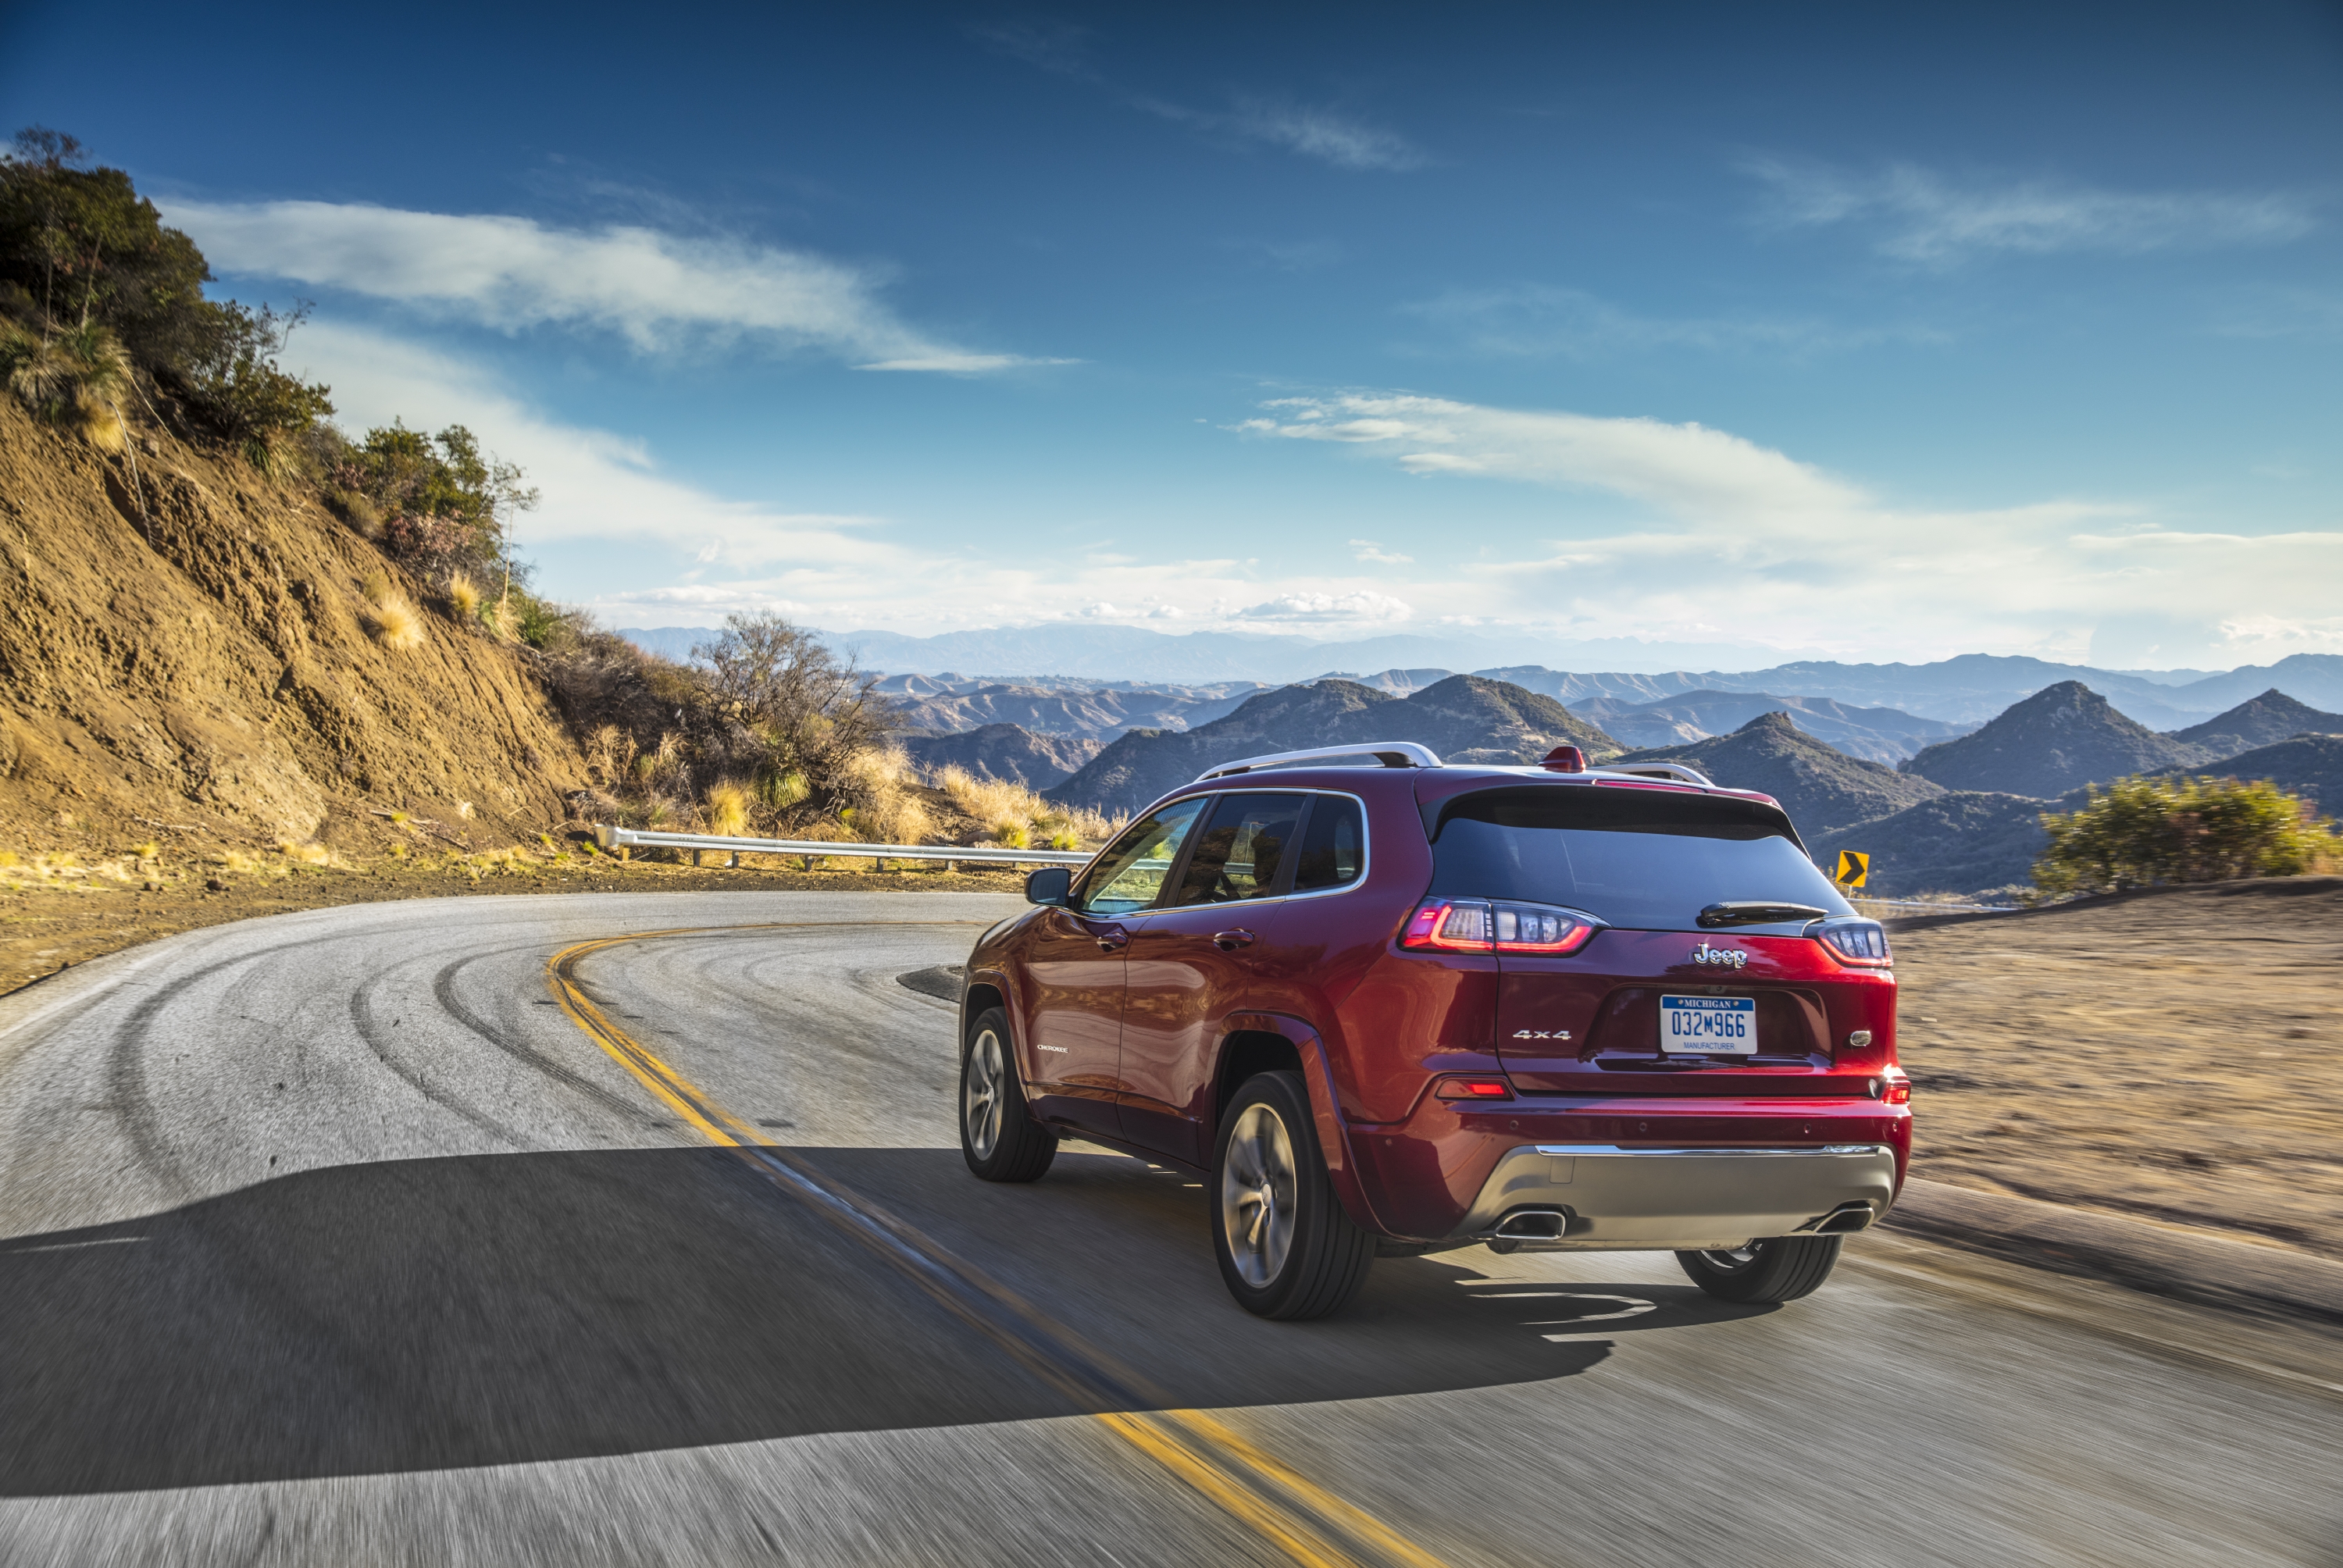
x: 185, y: 663
x: 2175, y: 1054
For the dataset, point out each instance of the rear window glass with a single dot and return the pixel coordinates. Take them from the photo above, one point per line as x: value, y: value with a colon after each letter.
x: 1240, y: 855
x: 1644, y: 858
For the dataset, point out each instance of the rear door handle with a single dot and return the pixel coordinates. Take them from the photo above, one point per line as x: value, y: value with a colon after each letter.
x: 1230, y: 941
x: 1112, y: 938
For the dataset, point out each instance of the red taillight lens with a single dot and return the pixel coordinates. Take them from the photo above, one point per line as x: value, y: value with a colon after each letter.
x: 1469, y: 925
x: 1863, y: 943
x: 1473, y: 1089
x: 1899, y: 1091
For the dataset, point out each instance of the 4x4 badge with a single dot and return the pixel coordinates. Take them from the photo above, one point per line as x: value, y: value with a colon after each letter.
x: 1731, y: 958
x: 1541, y: 1034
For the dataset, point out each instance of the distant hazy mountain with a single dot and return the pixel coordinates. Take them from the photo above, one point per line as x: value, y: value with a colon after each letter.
x: 1821, y: 788
x: 1006, y: 751
x: 1968, y: 689
x: 2060, y: 739
x: 1462, y: 718
x: 675, y: 642
x: 1100, y: 713
x: 2262, y: 720
x: 1886, y: 735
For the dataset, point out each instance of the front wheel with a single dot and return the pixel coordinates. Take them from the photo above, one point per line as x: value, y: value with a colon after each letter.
x: 1286, y: 1248
x: 998, y: 1136
x: 1779, y: 1269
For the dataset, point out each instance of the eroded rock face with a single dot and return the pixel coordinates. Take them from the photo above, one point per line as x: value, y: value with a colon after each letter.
x: 185, y: 648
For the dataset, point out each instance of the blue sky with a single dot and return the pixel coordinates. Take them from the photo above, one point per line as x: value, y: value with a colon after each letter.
x: 1874, y: 332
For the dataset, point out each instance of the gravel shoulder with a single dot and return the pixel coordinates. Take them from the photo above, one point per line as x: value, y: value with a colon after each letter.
x: 2173, y: 1055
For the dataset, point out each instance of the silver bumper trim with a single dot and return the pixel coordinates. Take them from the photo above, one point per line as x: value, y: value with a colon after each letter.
x: 1692, y: 1199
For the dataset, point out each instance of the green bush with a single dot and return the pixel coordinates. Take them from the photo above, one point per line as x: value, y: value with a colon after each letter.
x: 2143, y: 831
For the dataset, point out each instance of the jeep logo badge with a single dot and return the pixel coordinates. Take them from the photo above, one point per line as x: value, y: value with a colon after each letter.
x: 1730, y: 958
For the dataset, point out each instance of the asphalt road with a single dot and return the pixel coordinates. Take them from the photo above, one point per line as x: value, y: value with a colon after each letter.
x: 376, y: 1235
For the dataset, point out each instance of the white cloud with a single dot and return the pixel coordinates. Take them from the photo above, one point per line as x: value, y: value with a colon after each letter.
x: 1371, y: 550
x: 1677, y: 532
x: 1359, y: 606
x: 1921, y: 215
x: 653, y: 288
x: 1321, y: 132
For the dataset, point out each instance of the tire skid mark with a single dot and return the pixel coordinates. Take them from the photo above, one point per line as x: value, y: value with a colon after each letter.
x: 1308, y: 1524
x: 378, y: 1040
x: 443, y: 991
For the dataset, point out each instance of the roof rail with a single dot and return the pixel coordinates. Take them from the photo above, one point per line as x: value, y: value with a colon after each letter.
x: 1677, y: 771
x: 1390, y: 753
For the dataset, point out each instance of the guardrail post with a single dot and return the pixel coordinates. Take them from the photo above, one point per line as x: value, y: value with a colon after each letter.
x: 734, y: 863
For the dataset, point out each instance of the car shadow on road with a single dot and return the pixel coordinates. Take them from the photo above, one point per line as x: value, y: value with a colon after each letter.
x: 502, y: 1309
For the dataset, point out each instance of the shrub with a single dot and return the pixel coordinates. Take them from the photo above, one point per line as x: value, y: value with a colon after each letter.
x: 1010, y: 832
x: 2144, y: 831
x: 728, y: 810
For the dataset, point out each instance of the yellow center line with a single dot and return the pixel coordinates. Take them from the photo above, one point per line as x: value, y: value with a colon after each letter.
x: 1301, y: 1518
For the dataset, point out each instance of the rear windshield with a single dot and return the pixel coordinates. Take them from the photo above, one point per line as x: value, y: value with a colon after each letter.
x: 1647, y: 860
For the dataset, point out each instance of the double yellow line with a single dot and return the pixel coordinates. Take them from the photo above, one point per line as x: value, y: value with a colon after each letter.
x: 1310, y: 1525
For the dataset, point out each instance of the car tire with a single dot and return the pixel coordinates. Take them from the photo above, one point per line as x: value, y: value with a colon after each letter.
x: 1779, y: 1269
x: 998, y: 1135
x: 1286, y: 1246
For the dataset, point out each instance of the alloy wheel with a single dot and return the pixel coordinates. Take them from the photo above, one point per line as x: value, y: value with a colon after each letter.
x: 1258, y: 1194
x: 982, y: 1088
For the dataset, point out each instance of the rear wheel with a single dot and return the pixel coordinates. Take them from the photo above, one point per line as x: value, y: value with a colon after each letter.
x: 998, y: 1136
x: 1778, y: 1268
x: 1286, y: 1248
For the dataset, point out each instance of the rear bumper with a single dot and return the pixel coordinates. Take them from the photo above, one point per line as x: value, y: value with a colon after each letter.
x: 1600, y: 1197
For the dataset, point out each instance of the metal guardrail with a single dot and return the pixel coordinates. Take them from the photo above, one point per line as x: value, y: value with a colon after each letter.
x: 1936, y: 908
x: 612, y: 837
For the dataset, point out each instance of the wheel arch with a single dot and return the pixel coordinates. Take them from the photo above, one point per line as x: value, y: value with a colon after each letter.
x: 1271, y: 1043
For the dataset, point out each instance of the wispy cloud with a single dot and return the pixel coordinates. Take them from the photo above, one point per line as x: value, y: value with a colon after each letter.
x: 653, y: 288
x: 1540, y: 321
x: 1361, y: 606
x: 1682, y: 532
x: 1318, y: 131
x: 1371, y: 551
x: 1918, y: 214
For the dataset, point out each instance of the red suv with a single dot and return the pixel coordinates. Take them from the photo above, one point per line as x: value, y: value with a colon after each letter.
x: 1395, y: 1009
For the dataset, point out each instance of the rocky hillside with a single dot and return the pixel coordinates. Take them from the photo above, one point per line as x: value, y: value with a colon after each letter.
x: 2261, y: 720
x: 2060, y: 739
x: 186, y: 656
x: 1464, y: 718
x: 1007, y: 751
x: 2310, y: 765
x: 1820, y: 787
x: 1963, y: 841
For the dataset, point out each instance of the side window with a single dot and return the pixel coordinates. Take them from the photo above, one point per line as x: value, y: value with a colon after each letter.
x: 1130, y: 873
x: 1242, y: 850
x: 1334, y: 847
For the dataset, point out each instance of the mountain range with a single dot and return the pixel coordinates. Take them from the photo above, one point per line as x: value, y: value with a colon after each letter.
x: 1464, y: 718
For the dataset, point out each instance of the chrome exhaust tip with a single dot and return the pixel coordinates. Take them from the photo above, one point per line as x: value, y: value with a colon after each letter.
x: 1844, y: 1221
x: 1535, y: 1225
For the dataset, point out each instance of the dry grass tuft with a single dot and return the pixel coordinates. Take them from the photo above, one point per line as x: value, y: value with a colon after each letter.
x: 728, y: 809
x: 390, y: 615
x: 887, y: 811
x: 101, y: 422
x: 463, y: 595
x: 1000, y: 804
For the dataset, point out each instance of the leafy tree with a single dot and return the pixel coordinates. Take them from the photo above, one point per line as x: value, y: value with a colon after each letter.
x: 2144, y: 831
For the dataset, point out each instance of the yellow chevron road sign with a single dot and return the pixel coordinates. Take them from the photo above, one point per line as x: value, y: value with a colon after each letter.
x: 1854, y: 868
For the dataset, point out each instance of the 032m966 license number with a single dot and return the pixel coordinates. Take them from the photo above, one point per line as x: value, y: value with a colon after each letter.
x: 1708, y: 1025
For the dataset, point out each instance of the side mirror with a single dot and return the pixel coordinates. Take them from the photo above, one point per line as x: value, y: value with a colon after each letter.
x: 1051, y: 885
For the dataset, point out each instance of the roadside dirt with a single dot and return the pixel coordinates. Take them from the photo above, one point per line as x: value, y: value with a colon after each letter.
x: 2175, y: 1054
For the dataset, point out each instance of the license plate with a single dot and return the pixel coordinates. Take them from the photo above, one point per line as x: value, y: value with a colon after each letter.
x: 1708, y: 1025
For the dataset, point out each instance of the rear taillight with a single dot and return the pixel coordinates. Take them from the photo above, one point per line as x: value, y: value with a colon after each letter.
x: 1473, y: 1089
x: 1899, y: 1091
x: 1473, y: 926
x: 1863, y: 943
